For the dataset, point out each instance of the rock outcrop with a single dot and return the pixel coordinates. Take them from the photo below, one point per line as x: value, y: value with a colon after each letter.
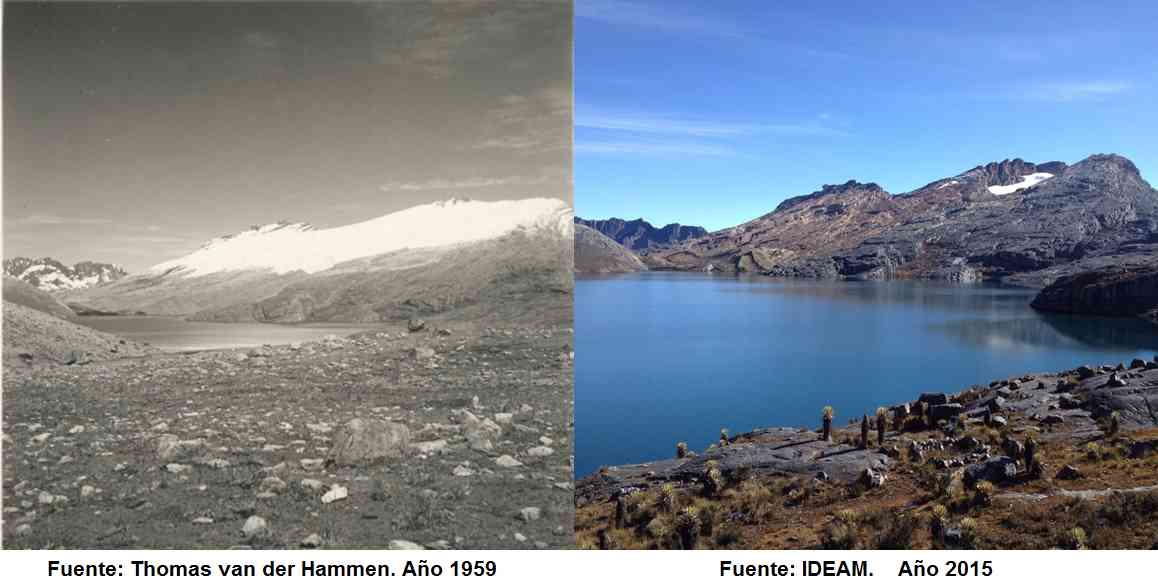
x: 596, y: 253
x: 1116, y: 291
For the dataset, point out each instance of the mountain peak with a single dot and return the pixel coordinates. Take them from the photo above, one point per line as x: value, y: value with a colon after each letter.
x: 851, y: 186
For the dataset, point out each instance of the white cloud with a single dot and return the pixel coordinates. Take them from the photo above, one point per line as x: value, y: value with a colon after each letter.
x: 653, y: 124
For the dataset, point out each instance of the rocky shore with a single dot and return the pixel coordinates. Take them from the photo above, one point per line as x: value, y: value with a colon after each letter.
x: 447, y: 435
x: 1093, y: 430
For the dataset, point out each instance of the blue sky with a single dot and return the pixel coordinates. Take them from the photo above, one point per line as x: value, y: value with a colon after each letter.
x: 711, y: 113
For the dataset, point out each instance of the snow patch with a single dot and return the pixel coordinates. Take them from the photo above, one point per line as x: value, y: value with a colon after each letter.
x: 1026, y: 181
x: 285, y: 247
x: 947, y: 184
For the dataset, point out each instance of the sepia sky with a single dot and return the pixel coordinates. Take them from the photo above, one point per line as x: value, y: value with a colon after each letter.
x: 133, y: 132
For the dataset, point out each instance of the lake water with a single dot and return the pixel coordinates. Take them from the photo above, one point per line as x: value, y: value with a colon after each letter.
x: 668, y: 357
x: 176, y: 334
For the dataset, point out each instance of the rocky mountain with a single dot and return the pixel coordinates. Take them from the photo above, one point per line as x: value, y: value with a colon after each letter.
x: 48, y: 274
x: 1011, y: 221
x: 426, y: 259
x: 639, y: 234
x: 596, y: 253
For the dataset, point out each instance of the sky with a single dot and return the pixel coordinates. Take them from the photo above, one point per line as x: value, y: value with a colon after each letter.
x: 135, y: 132
x: 711, y: 113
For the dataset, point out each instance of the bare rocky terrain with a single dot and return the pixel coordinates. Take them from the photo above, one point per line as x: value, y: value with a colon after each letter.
x: 943, y: 471
x: 457, y: 435
x: 974, y: 226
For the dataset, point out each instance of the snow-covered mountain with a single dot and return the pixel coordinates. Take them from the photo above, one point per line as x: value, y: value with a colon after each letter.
x: 49, y: 274
x: 287, y: 247
x: 425, y: 259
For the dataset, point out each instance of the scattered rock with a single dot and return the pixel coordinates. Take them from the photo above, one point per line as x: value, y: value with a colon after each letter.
x: 337, y: 492
x: 255, y: 528
x: 506, y: 461
x: 1068, y: 472
x: 528, y: 514
x: 313, y: 540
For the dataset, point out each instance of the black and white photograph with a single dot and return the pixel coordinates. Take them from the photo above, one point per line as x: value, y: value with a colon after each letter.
x: 287, y: 274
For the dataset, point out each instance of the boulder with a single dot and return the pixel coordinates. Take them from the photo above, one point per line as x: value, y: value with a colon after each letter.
x: 363, y: 441
x: 946, y: 411
x: 998, y: 469
x: 934, y: 398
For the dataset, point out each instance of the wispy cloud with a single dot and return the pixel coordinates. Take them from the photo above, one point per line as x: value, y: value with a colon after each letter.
x: 1071, y: 91
x: 652, y: 124
x: 51, y: 220
x: 467, y: 183
x: 653, y: 148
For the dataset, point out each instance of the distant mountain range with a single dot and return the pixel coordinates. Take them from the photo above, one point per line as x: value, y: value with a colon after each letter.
x: 639, y: 234
x: 48, y: 274
x: 426, y: 259
x: 1011, y: 221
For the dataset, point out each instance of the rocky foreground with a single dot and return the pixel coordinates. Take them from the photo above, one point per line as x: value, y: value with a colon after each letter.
x: 454, y: 436
x: 1065, y: 459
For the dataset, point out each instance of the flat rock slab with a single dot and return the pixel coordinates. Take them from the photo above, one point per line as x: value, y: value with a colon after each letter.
x: 765, y: 452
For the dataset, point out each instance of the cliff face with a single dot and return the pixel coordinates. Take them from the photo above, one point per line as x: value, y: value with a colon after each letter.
x: 997, y: 221
x: 1124, y: 291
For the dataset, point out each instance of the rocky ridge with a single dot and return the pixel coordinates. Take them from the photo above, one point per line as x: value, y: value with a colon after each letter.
x: 49, y: 274
x: 987, y: 223
x: 639, y: 234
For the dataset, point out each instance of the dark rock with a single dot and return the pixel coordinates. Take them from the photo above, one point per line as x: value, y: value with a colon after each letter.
x: 1052, y: 420
x: 968, y: 443
x: 1143, y: 448
x: 934, y: 398
x: 1012, y: 448
x: 1116, y: 381
x: 1117, y: 291
x: 1085, y: 372
x: 946, y: 411
x: 999, y: 469
x: 1068, y: 472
